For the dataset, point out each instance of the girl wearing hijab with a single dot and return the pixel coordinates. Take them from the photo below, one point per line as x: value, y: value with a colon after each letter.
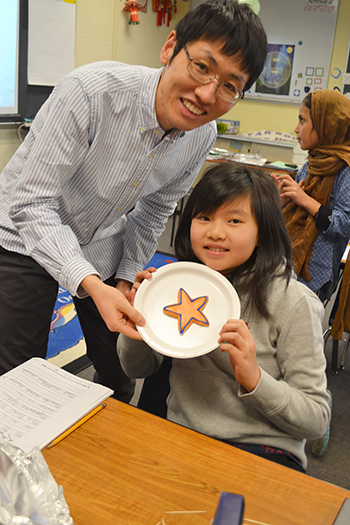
x: 316, y: 205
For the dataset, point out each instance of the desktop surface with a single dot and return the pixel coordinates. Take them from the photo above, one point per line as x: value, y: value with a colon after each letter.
x: 127, y: 467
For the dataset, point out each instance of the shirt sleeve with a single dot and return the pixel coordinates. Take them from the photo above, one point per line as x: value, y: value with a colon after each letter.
x: 147, y: 221
x: 137, y: 358
x: 302, y: 173
x: 339, y: 203
x: 298, y: 403
x: 61, y: 142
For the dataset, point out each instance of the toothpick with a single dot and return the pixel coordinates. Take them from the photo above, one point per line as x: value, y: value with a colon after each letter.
x: 254, y: 521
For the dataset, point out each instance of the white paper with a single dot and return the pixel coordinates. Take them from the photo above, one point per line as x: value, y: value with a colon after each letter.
x: 51, y: 41
x: 39, y: 401
x: 346, y: 78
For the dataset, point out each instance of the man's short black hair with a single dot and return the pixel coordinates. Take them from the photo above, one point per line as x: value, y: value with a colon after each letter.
x: 233, y: 23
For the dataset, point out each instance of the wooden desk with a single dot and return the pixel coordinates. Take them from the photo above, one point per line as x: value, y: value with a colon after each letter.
x: 127, y: 467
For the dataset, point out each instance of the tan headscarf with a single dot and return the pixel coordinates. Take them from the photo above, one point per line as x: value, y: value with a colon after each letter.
x: 330, y: 115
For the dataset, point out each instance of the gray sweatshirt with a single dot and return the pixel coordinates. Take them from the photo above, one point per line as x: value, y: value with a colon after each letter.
x: 290, y: 403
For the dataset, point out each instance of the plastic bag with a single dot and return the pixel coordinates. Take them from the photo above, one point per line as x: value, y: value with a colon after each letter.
x: 29, y: 495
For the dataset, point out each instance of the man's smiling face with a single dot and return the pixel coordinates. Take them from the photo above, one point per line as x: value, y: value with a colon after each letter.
x: 184, y: 103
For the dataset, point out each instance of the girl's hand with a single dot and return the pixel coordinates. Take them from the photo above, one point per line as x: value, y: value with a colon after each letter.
x: 236, y: 339
x: 291, y: 190
x: 140, y: 277
x: 284, y: 200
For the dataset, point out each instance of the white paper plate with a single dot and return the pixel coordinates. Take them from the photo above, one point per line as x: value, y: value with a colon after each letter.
x: 161, y: 331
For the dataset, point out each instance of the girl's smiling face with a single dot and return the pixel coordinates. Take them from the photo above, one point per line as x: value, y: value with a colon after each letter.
x: 306, y: 135
x: 226, y: 238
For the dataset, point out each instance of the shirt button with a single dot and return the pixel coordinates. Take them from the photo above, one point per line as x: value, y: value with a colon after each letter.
x: 142, y: 129
x: 134, y: 184
x: 150, y: 155
x: 119, y: 208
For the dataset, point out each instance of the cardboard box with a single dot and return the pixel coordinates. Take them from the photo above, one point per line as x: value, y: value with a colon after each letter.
x: 228, y: 126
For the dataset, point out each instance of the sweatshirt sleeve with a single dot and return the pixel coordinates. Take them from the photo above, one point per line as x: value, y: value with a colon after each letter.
x: 137, y: 358
x: 298, y: 402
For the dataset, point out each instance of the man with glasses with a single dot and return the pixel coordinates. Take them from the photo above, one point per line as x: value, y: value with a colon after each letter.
x: 200, y: 72
x: 113, y: 140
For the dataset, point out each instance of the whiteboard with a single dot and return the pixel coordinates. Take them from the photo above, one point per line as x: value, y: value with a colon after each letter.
x: 300, y: 36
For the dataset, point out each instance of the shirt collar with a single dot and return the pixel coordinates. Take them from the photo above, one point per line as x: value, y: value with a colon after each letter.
x: 147, y: 106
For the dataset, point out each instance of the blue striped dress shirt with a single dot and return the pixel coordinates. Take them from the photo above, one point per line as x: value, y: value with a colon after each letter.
x: 94, y: 153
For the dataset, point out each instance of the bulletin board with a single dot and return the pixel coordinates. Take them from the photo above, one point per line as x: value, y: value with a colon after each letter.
x: 300, y: 41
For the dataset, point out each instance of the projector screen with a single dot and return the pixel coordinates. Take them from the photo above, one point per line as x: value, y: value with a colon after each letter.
x: 19, y: 100
x: 9, y: 53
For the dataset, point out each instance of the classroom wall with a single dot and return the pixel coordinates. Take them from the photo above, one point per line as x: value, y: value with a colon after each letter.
x: 273, y: 116
x: 103, y: 33
x: 94, y: 31
x: 9, y: 142
x: 141, y: 44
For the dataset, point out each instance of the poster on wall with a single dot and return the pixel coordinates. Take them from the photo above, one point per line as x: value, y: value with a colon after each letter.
x: 300, y: 42
x: 275, y: 78
x: 51, y: 41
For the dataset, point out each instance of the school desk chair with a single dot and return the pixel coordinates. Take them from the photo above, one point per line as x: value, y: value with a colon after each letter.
x: 339, y: 319
x: 338, y: 323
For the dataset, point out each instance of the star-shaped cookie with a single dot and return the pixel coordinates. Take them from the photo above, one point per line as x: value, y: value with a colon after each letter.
x: 188, y: 310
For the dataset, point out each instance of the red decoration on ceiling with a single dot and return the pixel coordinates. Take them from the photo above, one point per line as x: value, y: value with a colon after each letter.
x: 133, y: 7
x: 165, y: 10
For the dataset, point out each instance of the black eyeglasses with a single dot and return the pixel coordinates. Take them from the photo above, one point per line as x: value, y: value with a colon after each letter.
x: 204, y: 75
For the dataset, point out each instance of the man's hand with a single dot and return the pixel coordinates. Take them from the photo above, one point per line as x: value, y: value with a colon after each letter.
x: 123, y: 286
x: 116, y: 311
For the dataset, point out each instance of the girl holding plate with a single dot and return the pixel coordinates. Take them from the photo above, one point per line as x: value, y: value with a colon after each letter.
x: 263, y: 388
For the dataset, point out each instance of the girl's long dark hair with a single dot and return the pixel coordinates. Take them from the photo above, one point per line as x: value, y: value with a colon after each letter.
x: 223, y: 184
